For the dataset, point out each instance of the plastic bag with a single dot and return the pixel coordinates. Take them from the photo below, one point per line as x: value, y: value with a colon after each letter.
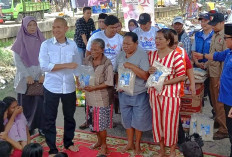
x: 80, y: 101
x: 126, y: 80
x: 199, y: 72
x: 86, y: 76
x: 156, y: 80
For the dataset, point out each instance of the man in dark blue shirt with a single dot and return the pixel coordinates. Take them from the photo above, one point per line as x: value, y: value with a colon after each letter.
x: 225, y: 91
x: 84, y: 27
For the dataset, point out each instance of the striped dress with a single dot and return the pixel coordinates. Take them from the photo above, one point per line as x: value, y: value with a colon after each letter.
x: 165, y: 105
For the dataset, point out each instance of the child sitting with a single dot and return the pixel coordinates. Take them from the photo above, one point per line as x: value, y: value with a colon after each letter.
x: 18, y: 130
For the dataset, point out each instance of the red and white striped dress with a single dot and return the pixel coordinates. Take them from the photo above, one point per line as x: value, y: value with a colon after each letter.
x: 165, y: 105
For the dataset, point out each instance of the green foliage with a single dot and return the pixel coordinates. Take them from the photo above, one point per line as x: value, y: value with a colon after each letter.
x: 6, y: 43
x: 70, y: 34
x: 6, y: 58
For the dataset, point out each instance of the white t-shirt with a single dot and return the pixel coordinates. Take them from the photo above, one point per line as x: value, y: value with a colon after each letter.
x: 147, y: 39
x: 113, y: 46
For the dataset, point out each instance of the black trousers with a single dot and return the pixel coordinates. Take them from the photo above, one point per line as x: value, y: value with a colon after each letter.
x: 229, y: 125
x: 181, y: 133
x: 51, y: 103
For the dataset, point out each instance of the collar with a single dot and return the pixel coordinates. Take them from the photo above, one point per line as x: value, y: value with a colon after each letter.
x: 90, y: 58
x: 54, y: 41
x: 84, y: 19
x: 220, y: 32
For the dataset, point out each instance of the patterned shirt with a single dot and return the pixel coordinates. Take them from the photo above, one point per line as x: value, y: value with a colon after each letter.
x: 172, y: 60
x: 103, y: 74
x: 83, y: 27
x: 186, y: 42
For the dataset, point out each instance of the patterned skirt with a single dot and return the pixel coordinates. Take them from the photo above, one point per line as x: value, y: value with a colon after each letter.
x: 99, y: 118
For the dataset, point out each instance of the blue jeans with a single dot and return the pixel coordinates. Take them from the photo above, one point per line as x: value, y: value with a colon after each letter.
x: 82, y: 53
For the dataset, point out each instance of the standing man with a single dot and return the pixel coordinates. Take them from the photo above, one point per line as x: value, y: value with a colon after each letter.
x: 59, y: 59
x: 112, y: 39
x: 146, y: 33
x: 101, y: 23
x: 183, y: 37
x: 201, y: 44
x: 215, y: 68
x: 84, y: 27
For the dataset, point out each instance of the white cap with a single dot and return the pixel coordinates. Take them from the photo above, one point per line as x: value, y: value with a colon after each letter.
x: 178, y: 19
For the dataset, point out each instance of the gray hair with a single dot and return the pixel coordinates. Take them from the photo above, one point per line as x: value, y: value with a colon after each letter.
x: 100, y: 42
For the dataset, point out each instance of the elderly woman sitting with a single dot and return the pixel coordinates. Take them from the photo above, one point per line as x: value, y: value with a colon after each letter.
x: 135, y: 110
x: 99, y: 109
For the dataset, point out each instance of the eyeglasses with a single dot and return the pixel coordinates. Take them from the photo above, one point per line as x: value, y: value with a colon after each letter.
x: 226, y: 38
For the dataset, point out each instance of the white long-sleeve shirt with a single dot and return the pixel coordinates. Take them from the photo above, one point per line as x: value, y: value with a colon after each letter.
x: 52, y: 53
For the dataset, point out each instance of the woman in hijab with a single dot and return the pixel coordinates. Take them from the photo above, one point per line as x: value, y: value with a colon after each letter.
x: 26, y: 51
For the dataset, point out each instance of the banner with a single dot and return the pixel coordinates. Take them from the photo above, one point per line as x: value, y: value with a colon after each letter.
x: 85, y: 3
x: 133, y: 8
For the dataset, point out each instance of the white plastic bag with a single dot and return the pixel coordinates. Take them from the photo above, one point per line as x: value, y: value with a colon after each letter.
x: 156, y: 80
x: 199, y: 72
x: 86, y: 76
x: 126, y: 80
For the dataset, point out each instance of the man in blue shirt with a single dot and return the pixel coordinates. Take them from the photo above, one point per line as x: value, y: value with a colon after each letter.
x: 59, y: 59
x: 201, y: 44
x: 225, y: 92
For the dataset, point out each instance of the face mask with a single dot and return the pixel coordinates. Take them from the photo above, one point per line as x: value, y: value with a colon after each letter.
x: 132, y: 28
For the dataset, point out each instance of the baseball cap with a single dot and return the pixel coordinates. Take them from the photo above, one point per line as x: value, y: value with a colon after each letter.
x: 204, y: 16
x: 216, y: 18
x: 144, y: 18
x: 178, y: 19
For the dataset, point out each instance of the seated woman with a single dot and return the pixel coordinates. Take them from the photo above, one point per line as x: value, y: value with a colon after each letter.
x: 15, y: 123
x: 98, y: 96
x: 135, y: 110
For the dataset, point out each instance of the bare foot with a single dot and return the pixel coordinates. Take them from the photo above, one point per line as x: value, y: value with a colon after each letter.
x: 73, y: 148
x: 137, y: 150
x: 96, y: 145
x: 172, y: 154
x: 128, y: 147
x: 103, y: 151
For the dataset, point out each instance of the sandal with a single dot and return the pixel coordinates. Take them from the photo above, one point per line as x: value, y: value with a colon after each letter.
x: 84, y: 126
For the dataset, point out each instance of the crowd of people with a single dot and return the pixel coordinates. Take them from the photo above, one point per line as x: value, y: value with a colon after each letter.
x: 55, y: 63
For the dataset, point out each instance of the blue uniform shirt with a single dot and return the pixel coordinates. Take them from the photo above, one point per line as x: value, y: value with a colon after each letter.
x: 225, y: 92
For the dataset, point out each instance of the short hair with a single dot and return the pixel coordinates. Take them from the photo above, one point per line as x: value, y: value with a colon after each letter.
x: 134, y: 21
x: 102, y: 16
x: 100, y: 42
x: 192, y: 149
x: 61, y: 154
x: 61, y: 19
x: 86, y: 8
x: 32, y: 150
x: 167, y: 35
x: 173, y: 32
x: 111, y: 20
x: 133, y: 36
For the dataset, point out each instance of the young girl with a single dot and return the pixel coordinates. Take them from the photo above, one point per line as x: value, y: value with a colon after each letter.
x: 16, y: 128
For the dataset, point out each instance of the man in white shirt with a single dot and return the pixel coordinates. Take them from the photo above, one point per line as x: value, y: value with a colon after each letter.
x: 59, y: 60
x: 112, y: 39
x: 146, y: 33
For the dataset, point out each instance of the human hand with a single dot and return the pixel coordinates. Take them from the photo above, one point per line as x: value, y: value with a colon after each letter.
x: 192, y: 89
x: 4, y: 136
x: 71, y: 65
x: 41, y: 79
x: 152, y: 70
x: 230, y: 113
x: 217, y: 85
x: 90, y: 88
x: 200, y: 65
x: 18, y: 110
x: 128, y: 65
x: 197, y: 55
x: 30, y: 80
